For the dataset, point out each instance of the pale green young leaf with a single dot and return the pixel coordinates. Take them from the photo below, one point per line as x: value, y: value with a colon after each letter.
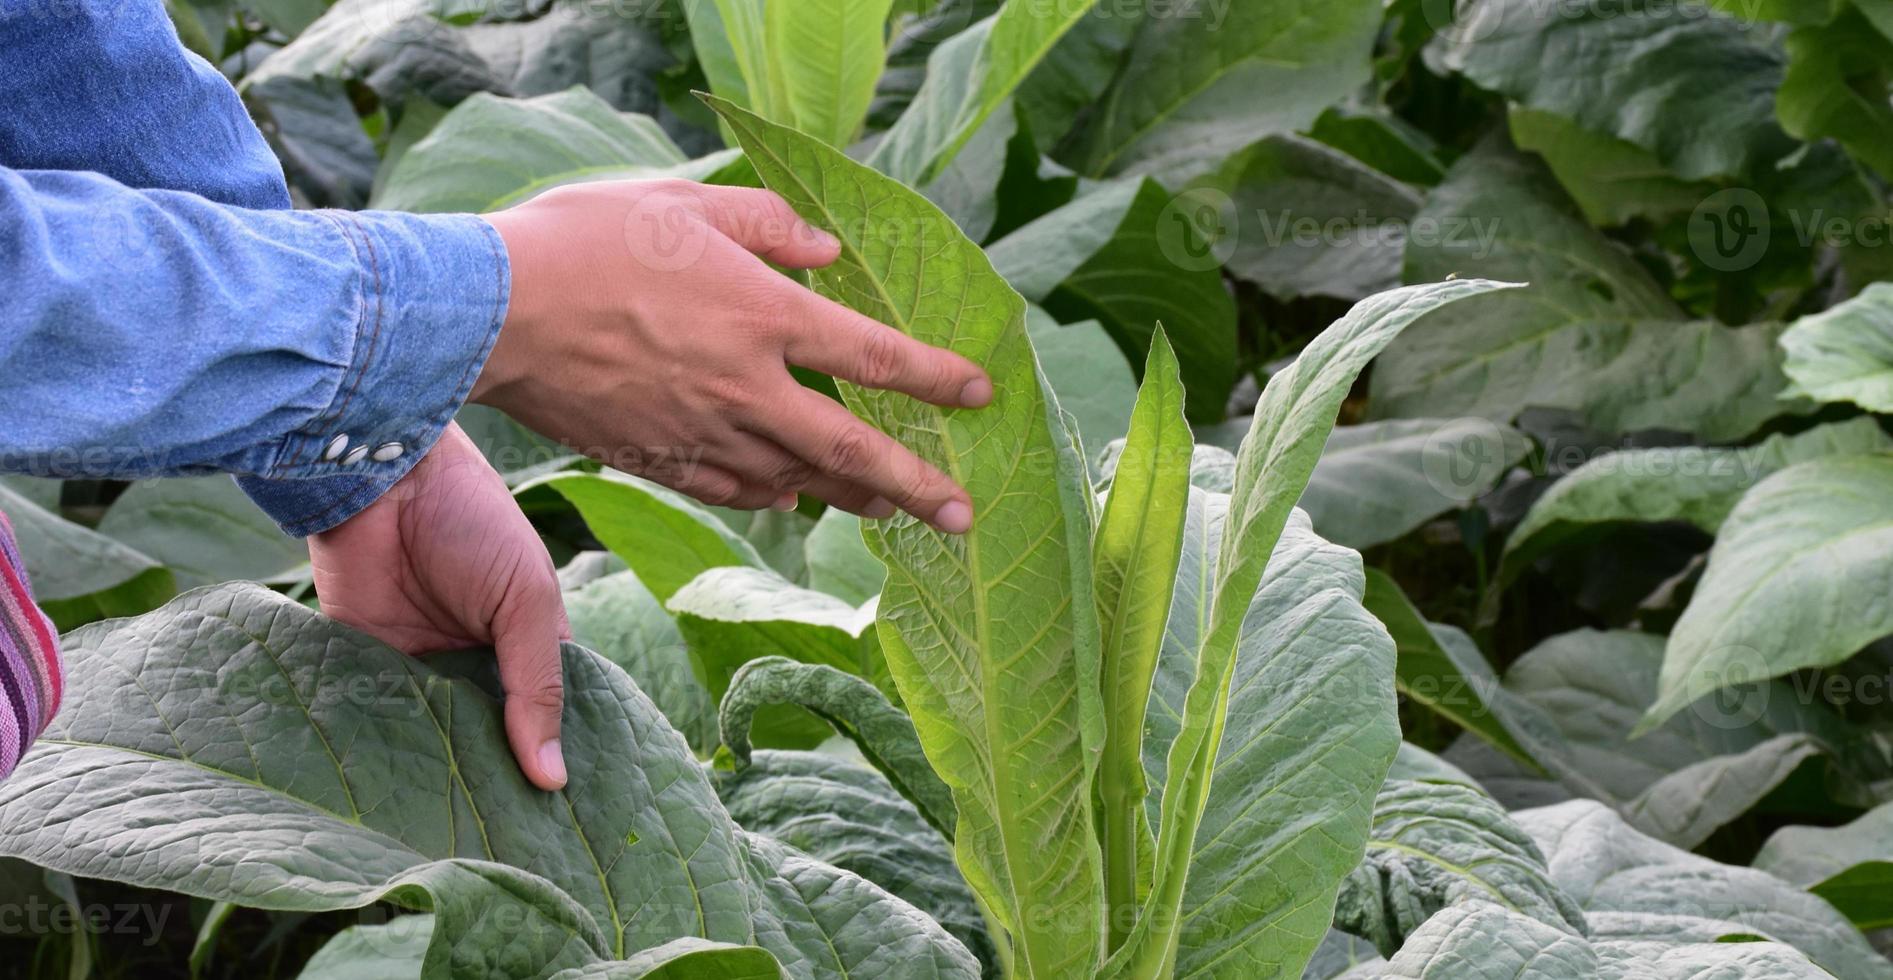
x: 1292, y: 423
x: 838, y: 560
x: 733, y: 614
x: 827, y: 54
x: 991, y: 636
x: 1850, y: 866
x: 665, y: 537
x: 968, y: 77
x: 1135, y: 555
x: 1798, y: 577
x: 1380, y: 480
x: 204, y: 530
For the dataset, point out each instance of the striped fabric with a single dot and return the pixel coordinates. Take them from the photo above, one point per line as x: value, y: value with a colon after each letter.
x: 31, y: 677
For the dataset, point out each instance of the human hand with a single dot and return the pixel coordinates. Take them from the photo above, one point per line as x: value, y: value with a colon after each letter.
x: 645, y: 326
x: 445, y: 560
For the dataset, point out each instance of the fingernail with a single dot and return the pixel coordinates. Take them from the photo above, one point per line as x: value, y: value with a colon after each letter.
x: 826, y: 240
x: 784, y: 503
x: 954, y: 517
x: 977, y: 393
x: 552, y: 760
x: 880, y: 509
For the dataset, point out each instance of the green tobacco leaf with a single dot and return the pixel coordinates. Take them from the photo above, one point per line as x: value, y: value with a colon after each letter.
x: 1380, y: 480
x: 1416, y: 764
x: 1689, y: 483
x: 1837, y: 85
x: 1185, y: 98
x: 1613, y: 181
x: 1846, y: 353
x: 1704, y: 767
x: 881, y: 731
x: 616, y: 616
x: 39, y: 491
x: 1338, y: 954
x: 518, y: 453
x: 205, y: 530
x: 1479, y: 940
x: 853, y: 818
x: 79, y: 575
x: 684, y: 959
x: 730, y: 615
x: 968, y: 77
x: 662, y: 535
x: 827, y: 55
x: 226, y: 781
x: 1135, y: 555
x: 1314, y: 221
x: 1113, y: 255
x: 1640, y: 892
x: 991, y: 636
x: 1375, y: 136
x: 1703, y: 84
x: 492, y: 152
x: 1087, y: 373
x: 1292, y: 423
x: 838, y: 560
x: 393, y: 950
x: 1439, y: 844
x: 1441, y: 668
x: 1797, y: 578
x: 1594, y: 333
x: 1850, y: 866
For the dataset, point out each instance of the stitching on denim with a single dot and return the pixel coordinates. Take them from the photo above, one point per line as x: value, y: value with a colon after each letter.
x: 374, y: 337
x: 312, y: 432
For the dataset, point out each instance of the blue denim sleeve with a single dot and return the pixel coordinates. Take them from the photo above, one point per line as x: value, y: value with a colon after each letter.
x: 103, y: 87
x: 153, y: 333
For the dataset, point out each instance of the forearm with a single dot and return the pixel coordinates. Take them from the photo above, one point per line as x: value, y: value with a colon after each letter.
x: 152, y: 333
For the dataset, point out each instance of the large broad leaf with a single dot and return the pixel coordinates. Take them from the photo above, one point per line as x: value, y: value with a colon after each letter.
x: 1115, y: 254
x: 1633, y: 888
x: 1087, y: 373
x: 1135, y: 555
x: 205, y: 531
x: 237, y: 746
x: 1797, y: 578
x: 852, y: 818
x: 79, y: 575
x: 1313, y: 220
x: 1204, y: 893
x: 667, y: 538
x: 616, y: 616
x: 1481, y: 940
x: 1594, y: 334
x: 1380, y: 480
x: 1850, y: 866
x: 967, y: 79
x: 393, y: 950
x: 1186, y: 96
x: 492, y: 152
x: 1611, y: 180
x: 1845, y: 353
x: 1694, y: 484
x: 991, y: 636
x: 1439, y: 844
x: 1703, y: 768
x: 884, y: 735
x: 1703, y: 85
x: 1837, y: 86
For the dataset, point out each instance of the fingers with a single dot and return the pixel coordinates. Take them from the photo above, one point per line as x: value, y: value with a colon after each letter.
x: 763, y: 223
x: 720, y: 487
x: 851, y: 497
x: 526, y: 633
x: 828, y: 337
x: 851, y: 451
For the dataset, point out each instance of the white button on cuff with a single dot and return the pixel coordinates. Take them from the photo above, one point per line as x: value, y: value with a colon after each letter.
x: 335, y: 447
x: 355, y: 455
x: 388, y: 452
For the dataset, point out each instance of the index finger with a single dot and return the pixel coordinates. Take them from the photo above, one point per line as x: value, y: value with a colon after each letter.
x: 825, y: 336
x: 830, y: 438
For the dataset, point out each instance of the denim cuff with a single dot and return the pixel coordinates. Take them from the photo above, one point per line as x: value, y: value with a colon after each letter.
x: 432, y: 296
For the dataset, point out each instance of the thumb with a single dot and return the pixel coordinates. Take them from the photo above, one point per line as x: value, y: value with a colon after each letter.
x: 526, y: 635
